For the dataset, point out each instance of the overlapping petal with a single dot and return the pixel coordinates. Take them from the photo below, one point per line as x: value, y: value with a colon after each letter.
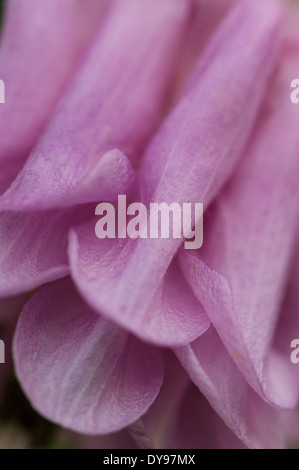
x: 198, y: 426
x: 172, y: 316
x: 78, y: 369
x: 230, y: 309
x: 256, y: 423
x: 26, y: 262
x: 207, y: 16
x: 181, y: 418
x: 189, y: 159
x: 240, y: 273
x: 288, y: 325
x: 36, y: 60
x: 105, y: 106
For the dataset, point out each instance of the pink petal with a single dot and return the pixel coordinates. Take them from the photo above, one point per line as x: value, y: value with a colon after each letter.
x: 10, y: 308
x: 188, y: 161
x: 239, y: 275
x: 78, y: 369
x: 288, y: 326
x: 158, y: 422
x: 253, y: 421
x: 171, y: 317
x: 199, y: 427
x: 181, y: 418
x: 34, y: 245
x: 114, y: 101
x: 212, y: 370
x: 199, y: 144
x: 34, y: 248
x: 206, y: 17
x: 291, y: 19
x: 36, y: 59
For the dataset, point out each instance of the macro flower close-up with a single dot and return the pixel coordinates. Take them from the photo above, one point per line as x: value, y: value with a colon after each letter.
x: 149, y: 242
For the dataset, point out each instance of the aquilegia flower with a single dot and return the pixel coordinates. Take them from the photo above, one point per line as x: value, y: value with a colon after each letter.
x: 172, y: 101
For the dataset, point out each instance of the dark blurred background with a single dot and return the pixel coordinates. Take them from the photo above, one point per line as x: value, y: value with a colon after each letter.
x: 1, y: 9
